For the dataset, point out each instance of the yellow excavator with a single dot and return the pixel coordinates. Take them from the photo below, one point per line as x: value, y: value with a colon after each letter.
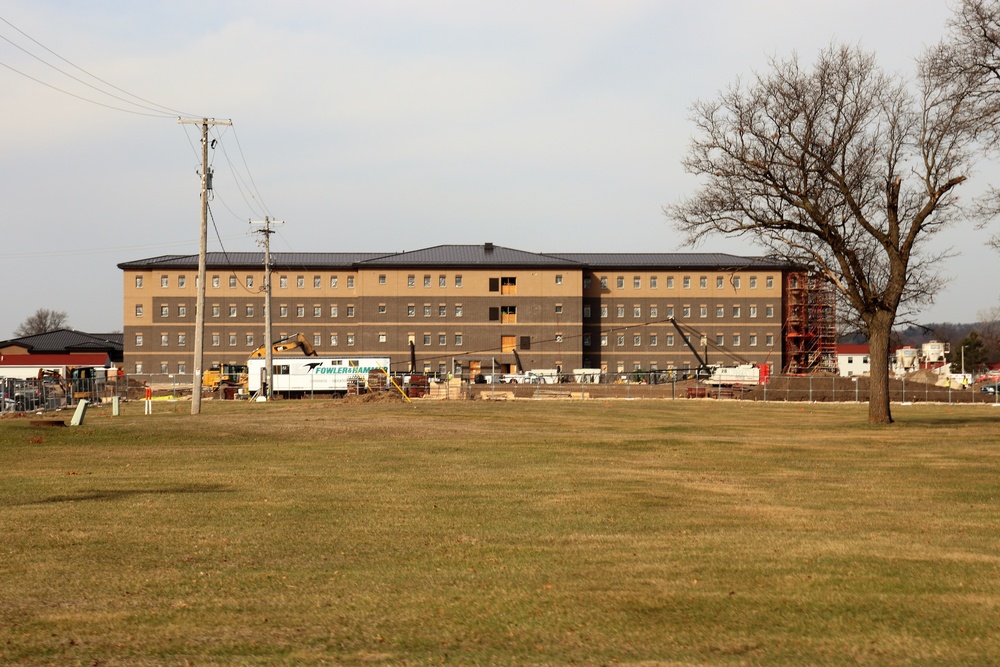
x: 283, y: 346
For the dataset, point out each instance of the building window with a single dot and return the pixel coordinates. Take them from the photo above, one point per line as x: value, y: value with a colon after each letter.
x: 720, y: 340
x: 753, y: 311
x: 232, y: 340
x: 317, y: 340
x: 249, y: 282
x: 703, y: 311
x: 249, y: 311
x: 442, y: 280
x: 164, y: 340
x: 182, y: 339
x: 216, y: 340
x: 316, y: 282
x: 753, y: 282
x: 637, y: 282
x: 381, y: 309
x: 604, y: 282
x: 458, y: 310
x: 138, y: 282
x: 350, y: 340
x: 636, y: 311
x: 381, y: 337
x: 232, y: 282
x: 768, y: 311
x: 720, y: 311
x: 769, y: 340
x: 427, y: 281
x: 317, y: 311
x: 138, y: 340
x: 604, y: 311
x: 686, y: 283
x: 333, y: 340
x: 249, y: 340
x: 350, y: 282
x: 138, y: 310
x: 652, y: 282
x: 164, y: 281
x: 333, y: 282
x: 300, y: 281
x: 442, y: 310
x: 559, y: 338
x: 164, y: 367
x: 636, y: 340
x: 670, y: 312
x: 333, y: 310
x: 652, y: 340
x: 620, y: 282
x: 427, y: 310
x: 427, y: 339
x: 164, y: 311
x: 604, y: 340
x: 181, y: 281
x: 670, y: 340
x: 411, y: 280
x: 586, y: 312
x: 736, y: 282
x: 350, y: 311
x: 686, y: 312
x: 216, y: 310
x: 411, y: 310
x: 232, y: 311
x: 138, y: 368
x: 586, y: 282
x: 620, y: 310
x: 718, y: 282
x: 769, y: 282
x: 182, y: 311
x: 736, y: 340
x: 586, y: 340
x: 558, y: 279
x: 458, y: 280
x: 703, y: 282
x: 670, y: 282
x: 458, y: 340
x: 559, y: 309
x: 215, y: 282
x: 752, y: 340
x: 654, y: 312
x: 620, y: 339
x: 282, y: 311
x: 442, y: 339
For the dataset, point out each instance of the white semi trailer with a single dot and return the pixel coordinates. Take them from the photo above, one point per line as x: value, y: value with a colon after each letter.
x: 305, y: 375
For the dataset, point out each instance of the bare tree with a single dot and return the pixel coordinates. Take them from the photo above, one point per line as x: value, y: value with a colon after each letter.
x: 970, y: 55
x: 40, y: 321
x: 842, y: 170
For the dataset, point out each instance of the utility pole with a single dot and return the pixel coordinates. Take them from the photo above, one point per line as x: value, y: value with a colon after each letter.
x: 199, y: 313
x: 266, y: 242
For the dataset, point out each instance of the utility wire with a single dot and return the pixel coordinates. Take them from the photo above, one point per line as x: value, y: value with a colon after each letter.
x: 163, y: 109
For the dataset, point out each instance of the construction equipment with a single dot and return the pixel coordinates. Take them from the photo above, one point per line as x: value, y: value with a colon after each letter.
x: 285, y: 345
x: 226, y: 375
x: 703, y: 367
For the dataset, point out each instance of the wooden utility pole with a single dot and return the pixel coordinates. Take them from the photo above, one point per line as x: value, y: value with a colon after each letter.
x: 199, y: 313
x: 268, y: 360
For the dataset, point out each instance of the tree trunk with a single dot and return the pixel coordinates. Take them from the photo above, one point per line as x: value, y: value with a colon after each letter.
x: 879, y: 330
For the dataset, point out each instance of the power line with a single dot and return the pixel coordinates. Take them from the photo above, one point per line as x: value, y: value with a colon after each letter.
x: 164, y: 111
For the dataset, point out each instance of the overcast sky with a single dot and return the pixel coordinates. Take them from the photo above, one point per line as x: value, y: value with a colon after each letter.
x: 547, y: 126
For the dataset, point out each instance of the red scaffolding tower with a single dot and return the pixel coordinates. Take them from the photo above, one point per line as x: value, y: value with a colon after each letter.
x: 810, y: 325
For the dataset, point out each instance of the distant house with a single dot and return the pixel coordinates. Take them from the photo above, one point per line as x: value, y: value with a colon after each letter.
x: 23, y: 357
x: 853, y: 360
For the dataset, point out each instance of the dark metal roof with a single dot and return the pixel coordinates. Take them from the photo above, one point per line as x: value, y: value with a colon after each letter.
x: 67, y: 340
x: 485, y: 254
x: 671, y: 260
x: 255, y: 260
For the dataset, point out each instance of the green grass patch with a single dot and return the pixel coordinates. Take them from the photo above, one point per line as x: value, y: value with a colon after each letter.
x: 528, y: 533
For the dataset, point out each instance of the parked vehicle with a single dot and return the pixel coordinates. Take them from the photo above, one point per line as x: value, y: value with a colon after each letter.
x: 990, y: 388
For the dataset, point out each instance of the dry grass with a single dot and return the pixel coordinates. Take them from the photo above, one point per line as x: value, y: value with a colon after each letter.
x: 545, y: 533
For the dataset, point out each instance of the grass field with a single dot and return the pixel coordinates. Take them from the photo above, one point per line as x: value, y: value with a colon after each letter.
x: 528, y: 533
